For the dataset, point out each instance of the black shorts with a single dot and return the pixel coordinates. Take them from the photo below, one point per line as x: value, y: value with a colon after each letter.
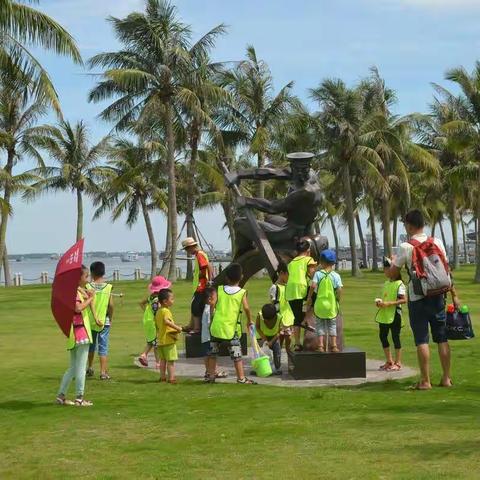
x: 429, y: 311
x: 198, y: 304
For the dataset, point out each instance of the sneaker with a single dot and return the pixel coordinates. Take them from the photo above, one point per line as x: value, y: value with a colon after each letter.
x: 278, y: 372
x: 90, y: 372
x: 105, y: 376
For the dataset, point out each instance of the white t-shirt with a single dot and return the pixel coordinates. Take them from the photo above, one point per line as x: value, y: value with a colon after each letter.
x: 404, y: 259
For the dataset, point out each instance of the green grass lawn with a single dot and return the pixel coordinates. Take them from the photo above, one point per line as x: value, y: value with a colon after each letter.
x: 139, y: 428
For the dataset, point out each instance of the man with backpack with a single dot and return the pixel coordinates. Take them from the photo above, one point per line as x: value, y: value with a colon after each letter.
x: 426, y: 262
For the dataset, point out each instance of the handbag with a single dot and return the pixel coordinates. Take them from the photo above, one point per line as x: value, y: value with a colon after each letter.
x: 459, y: 325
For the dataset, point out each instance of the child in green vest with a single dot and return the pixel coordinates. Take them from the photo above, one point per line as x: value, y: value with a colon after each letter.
x: 328, y: 285
x: 103, y: 306
x: 278, y: 298
x: 78, y: 342
x: 150, y: 307
x: 226, y: 327
x: 268, y: 325
x: 300, y: 271
x: 167, y: 336
x: 389, y: 316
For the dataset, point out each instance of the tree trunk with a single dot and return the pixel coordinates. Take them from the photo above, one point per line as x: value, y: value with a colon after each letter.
x: 477, y: 243
x: 79, y: 214
x: 387, y: 239
x: 335, y: 236
x: 6, y: 269
x: 350, y: 219
x: 6, y: 197
x: 229, y: 220
x: 362, y: 241
x: 454, y: 225
x: 166, y: 259
x: 434, y: 227
x: 464, y: 239
x: 172, y: 191
x: 151, y: 238
x: 373, y: 231
x: 260, y: 185
x: 192, y: 191
x: 442, y: 233
x: 395, y: 232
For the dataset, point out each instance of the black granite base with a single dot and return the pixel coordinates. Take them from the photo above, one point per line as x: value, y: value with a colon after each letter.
x: 350, y: 363
x: 193, y: 346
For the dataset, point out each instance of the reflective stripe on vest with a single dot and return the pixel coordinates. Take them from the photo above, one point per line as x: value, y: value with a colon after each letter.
x: 326, y: 305
x: 389, y: 294
x: 196, y: 271
x: 149, y: 328
x: 267, y: 331
x: 102, y: 300
x: 86, y: 322
x: 226, y: 319
x: 297, y: 285
x: 285, y: 310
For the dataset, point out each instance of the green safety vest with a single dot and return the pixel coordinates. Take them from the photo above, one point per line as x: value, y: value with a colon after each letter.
x: 226, y: 319
x: 285, y: 311
x: 326, y: 305
x: 196, y: 272
x: 149, y: 327
x: 389, y: 294
x: 86, y: 321
x: 297, y: 285
x: 102, y: 300
x: 267, y: 331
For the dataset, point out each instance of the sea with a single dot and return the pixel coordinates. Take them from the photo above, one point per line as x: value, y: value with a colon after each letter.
x: 32, y: 268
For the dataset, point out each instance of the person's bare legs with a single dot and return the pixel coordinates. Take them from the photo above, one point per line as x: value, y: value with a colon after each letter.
x: 171, y: 371
x: 91, y: 356
x: 398, y: 357
x: 163, y: 370
x: 444, y: 353
x: 423, y: 355
x: 296, y: 334
x: 103, y: 364
x: 211, y: 366
x: 388, y: 356
x: 239, y: 369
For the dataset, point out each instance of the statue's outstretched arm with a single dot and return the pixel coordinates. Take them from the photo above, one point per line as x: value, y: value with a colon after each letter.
x: 261, y: 174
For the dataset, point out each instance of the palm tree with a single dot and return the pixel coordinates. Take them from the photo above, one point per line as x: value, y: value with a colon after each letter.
x: 256, y: 110
x: 464, y: 134
x: 23, y: 27
x: 78, y: 167
x: 147, y: 78
x: 134, y: 184
x: 18, y: 118
x: 342, y: 120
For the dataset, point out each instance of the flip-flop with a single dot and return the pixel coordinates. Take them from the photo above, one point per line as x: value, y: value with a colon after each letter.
x: 246, y: 381
x: 63, y: 401
x: 221, y: 374
x: 81, y: 402
x: 417, y: 386
x: 446, y: 386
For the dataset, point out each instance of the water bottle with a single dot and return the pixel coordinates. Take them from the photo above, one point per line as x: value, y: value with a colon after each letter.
x: 464, y: 309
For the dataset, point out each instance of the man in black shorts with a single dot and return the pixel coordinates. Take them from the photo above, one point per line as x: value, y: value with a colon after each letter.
x: 425, y: 311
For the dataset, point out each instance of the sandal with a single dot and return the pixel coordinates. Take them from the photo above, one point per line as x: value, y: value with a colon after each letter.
x: 90, y: 372
x: 162, y: 379
x: 61, y: 400
x: 297, y: 348
x: 334, y: 349
x: 320, y: 349
x: 81, y: 402
x: 143, y: 360
x: 173, y: 382
x: 385, y: 366
x: 417, y: 386
x: 246, y: 381
x: 105, y: 376
x: 393, y: 368
x: 220, y: 374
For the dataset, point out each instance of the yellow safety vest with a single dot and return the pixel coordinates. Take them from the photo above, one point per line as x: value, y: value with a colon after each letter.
x: 102, y: 300
x: 149, y: 326
x: 389, y: 294
x: 86, y: 321
x: 196, y: 272
x: 285, y: 311
x: 326, y: 305
x: 267, y: 331
x: 226, y: 319
x: 297, y: 285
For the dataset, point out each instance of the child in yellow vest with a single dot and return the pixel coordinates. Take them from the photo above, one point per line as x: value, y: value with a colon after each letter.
x: 300, y: 271
x: 268, y: 325
x: 167, y: 336
x: 77, y: 344
x: 389, y: 316
x: 103, y: 306
x: 225, y: 326
x: 278, y: 298
x: 150, y: 307
x: 328, y: 285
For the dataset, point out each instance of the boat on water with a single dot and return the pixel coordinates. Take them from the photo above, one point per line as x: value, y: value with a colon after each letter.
x: 54, y: 256
x: 129, y: 257
x: 19, y: 259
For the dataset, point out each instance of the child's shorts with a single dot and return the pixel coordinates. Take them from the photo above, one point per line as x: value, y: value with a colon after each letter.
x: 325, y: 326
x: 206, y: 348
x: 234, y: 347
x: 168, y: 352
x: 100, y: 339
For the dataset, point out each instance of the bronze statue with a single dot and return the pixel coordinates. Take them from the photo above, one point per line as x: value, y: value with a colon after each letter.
x: 259, y: 243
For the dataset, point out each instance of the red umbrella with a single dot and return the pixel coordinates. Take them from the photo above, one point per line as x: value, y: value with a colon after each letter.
x: 64, y: 288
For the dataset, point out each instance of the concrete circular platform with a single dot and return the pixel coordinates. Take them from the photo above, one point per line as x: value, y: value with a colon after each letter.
x: 194, y: 368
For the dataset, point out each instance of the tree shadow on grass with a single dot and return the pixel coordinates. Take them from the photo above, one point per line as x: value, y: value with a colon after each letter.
x: 19, y: 405
x: 443, y: 450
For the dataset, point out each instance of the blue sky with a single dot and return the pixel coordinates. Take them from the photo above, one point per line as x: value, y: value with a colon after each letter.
x: 412, y: 42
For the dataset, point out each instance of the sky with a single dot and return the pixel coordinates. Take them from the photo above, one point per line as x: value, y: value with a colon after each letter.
x: 412, y: 42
